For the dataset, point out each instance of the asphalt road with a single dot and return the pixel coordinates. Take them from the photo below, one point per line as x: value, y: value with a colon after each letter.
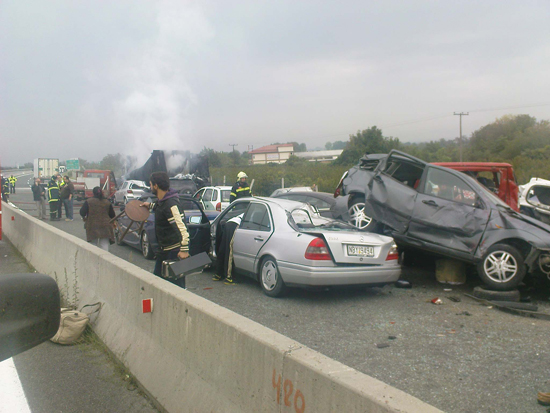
x: 54, y: 378
x: 458, y: 356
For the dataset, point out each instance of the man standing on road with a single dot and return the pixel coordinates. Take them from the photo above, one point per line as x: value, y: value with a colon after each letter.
x: 225, y: 251
x: 53, y: 198
x: 5, y: 189
x: 66, y: 194
x: 12, y: 180
x: 39, y: 196
x: 170, y: 229
x: 60, y: 185
x: 241, y: 189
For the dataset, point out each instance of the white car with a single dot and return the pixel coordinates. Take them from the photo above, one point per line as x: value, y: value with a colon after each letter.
x: 214, y: 198
x: 534, y: 199
x: 291, y: 189
x: 129, y: 191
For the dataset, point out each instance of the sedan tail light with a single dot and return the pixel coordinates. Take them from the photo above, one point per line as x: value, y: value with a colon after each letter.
x: 219, y: 207
x: 393, y: 253
x: 130, y: 191
x: 317, y: 250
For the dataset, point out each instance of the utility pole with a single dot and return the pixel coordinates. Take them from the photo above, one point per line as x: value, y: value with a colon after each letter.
x: 460, y: 141
x: 233, y: 145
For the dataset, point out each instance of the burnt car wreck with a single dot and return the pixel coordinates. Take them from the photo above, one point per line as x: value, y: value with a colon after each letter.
x: 448, y: 213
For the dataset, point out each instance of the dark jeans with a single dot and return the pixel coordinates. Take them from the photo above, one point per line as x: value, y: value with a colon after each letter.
x: 223, y: 254
x: 54, y: 207
x: 68, y: 208
x: 171, y: 255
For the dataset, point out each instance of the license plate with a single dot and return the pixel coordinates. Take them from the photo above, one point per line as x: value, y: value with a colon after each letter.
x: 360, y: 251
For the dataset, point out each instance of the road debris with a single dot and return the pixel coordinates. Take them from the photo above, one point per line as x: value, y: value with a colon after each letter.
x: 382, y: 345
x: 454, y: 299
x: 436, y: 301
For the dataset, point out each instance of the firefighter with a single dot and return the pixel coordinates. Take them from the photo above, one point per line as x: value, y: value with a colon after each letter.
x: 12, y: 180
x: 53, y: 198
x: 241, y: 189
x: 60, y: 185
x: 5, y: 189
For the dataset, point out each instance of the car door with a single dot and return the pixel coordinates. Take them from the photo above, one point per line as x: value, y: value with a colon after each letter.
x: 448, y: 213
x: 255, y: 229
x: 207, y: 199
x: 391, y: 192
x: 198, y: 226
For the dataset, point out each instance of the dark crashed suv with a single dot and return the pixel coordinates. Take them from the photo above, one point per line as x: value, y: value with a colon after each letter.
x: 448, y: 213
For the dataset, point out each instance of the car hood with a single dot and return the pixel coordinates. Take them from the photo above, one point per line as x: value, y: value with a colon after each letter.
x: 512, y: 219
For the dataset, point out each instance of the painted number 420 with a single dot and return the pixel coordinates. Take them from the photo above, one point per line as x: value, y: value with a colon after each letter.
x: 288, y: 390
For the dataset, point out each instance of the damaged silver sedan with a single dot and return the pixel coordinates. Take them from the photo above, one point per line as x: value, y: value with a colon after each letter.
x: 283, y: 243
x: 442, y: 211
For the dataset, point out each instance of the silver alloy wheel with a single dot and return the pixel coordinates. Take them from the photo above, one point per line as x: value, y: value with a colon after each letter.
x: 357, y: 216
x: 269, y: 275
x: 500, y: 266
x: 145, y: 245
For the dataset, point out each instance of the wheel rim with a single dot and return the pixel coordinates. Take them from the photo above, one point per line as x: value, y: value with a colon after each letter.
x: 358, y: 217
x: 145, y: 244
x: 269, y: 275
x: 500, y: 266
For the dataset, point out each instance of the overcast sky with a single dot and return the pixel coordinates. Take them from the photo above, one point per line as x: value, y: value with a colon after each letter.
x: 89, y: 78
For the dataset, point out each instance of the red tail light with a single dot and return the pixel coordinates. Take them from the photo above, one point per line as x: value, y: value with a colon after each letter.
x: 129, y: 191
x: 219, y: 207
x: 393, y: 253
x: 317, y: 250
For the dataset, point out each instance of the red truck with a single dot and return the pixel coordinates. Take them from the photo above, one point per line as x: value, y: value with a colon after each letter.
x: 497, y: 177
x: 90, y: 178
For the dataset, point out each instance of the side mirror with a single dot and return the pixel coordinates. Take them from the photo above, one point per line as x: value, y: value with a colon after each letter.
x: 195, y: 219
x: 29, y: 312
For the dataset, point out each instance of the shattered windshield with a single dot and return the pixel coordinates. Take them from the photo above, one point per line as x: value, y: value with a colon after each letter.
x: 306, y: 218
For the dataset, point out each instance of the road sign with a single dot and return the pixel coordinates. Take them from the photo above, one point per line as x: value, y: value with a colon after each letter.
x: 73, y: 164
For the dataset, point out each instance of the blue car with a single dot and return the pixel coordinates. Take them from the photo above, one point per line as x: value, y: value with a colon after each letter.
x: 145, y: 239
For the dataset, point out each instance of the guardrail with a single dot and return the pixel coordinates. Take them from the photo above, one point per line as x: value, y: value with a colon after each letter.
x: 190, y: 354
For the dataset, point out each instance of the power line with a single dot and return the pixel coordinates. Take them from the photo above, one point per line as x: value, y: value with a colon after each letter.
x: 233, y: 145
x: 460, y: 139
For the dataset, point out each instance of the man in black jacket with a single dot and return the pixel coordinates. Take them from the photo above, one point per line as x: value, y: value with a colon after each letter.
x: 53, y: 198
x: 170, y: 229
x: 39, y: 196
x: 241, y: 189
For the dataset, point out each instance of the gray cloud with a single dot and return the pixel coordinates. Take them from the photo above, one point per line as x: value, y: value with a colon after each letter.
x: 90, y: 78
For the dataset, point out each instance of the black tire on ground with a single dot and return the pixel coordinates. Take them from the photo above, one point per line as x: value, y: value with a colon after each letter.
x: 270, y: 278
x: 146, y: 248
x: 486, y: 294
x: 357, y: 215
x: 502, y: 268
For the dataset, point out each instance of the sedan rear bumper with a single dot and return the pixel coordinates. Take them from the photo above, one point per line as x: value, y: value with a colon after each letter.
x: 295, y: 274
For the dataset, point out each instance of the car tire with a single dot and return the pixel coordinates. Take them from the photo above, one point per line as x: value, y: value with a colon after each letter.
x: 146, y: 248
x: 491, y: 270
x: 485, y: 294
x: 357, y: 216
x: 270, y: 278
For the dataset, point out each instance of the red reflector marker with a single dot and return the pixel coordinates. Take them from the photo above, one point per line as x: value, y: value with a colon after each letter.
x: 12, y: 218
x: 147, y: 305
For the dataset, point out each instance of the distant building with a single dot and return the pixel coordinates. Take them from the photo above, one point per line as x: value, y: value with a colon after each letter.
x: 320, y: 156
x: 272, y: 154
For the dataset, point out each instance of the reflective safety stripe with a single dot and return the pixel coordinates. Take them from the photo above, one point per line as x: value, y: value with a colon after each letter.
x: 176, y: 217
x: 243, y: 189
x: 233, y: 193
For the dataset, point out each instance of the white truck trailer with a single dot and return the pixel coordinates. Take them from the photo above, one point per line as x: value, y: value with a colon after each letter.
x: 45, y: 167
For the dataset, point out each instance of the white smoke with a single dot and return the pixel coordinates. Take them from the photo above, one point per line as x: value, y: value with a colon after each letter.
x: 155, y: 111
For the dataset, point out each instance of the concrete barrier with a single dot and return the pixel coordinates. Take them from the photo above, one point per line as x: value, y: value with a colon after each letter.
x: 189, y: 353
